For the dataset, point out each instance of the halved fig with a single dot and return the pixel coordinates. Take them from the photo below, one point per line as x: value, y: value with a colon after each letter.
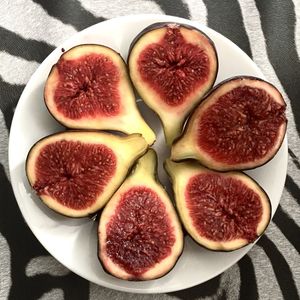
x: 140, y: 236
x: 239, y: 125
x: 221, y: 211
x: 172, y: 66
x: 76, y: 172
x: 89, y: 88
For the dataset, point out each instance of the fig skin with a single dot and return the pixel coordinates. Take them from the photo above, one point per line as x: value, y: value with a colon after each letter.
x: 184, y: 147
x: 164, y: 24
x: 143, y: 175
x: 123, y: 120
x: 173, y: 118
x: 133, y: 146
x: 180, y: 174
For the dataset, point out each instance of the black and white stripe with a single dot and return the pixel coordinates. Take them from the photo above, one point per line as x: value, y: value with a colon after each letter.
x: 268, y: 31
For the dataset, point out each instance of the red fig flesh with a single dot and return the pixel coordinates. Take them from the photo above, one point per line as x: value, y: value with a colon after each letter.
x: 172, y: 66
x: 221, y: 211
x: 240, y: 125
x: 75, y: 173
x: 89, y: 88
x: 140, y: 236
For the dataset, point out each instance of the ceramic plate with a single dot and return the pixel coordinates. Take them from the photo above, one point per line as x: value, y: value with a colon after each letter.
x: 74, y: 242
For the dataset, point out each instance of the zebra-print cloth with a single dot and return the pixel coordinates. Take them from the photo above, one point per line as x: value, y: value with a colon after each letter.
x: 268, y: 31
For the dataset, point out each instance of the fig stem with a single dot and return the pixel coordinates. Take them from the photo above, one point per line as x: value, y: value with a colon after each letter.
x: 146, y: 165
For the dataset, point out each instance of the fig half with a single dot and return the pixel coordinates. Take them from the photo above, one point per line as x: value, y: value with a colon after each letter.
x: 221, y: 211
x: 140, y: 236
x: 89, y: 88
x: 239, y: 125
x: 172, y: 66
x: 75, y: 173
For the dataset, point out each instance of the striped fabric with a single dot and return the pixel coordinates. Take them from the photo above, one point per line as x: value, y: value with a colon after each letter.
x: 268, y: 31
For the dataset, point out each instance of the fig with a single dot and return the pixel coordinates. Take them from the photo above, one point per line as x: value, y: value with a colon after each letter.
x: 222, y: 211
x: 76, y: 172
x: 140, y: 236
x: 172, y: 66
x: 89, y: 88
x: 240, y: 125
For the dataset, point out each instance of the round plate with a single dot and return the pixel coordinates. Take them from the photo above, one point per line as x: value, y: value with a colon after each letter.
x: 73, y: 242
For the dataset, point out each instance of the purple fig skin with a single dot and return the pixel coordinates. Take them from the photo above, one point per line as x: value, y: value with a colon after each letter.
x: 242, y: 77
x: 167, y: 24
x: 258, y: 237
x: 132, y: 279
x: 52, y: 68
x: 239, y: 78
x: 92, y: 216
x: 26, y: 162
x: 137, y: 279
x: 160, y: 25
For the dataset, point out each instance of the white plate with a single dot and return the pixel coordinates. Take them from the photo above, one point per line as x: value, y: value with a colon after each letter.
x: 74, y: 242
